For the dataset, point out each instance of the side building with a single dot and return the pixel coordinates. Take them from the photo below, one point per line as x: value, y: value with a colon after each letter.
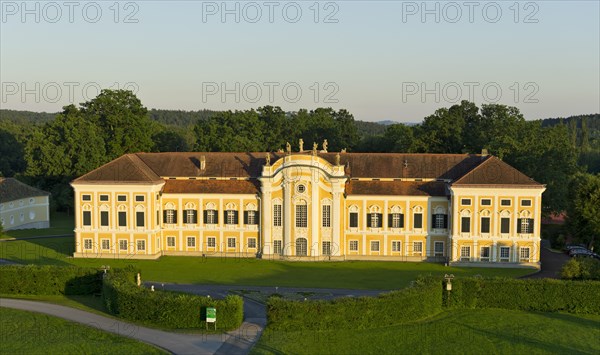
x: 310, y: 205
x: 23, y: 206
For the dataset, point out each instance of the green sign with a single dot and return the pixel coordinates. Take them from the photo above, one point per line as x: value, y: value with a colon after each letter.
x: 211, y: 314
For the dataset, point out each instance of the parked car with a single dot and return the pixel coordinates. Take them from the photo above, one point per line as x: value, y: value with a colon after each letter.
x: 569, y: 247
x: 577, y: 250
x: 581, y: 253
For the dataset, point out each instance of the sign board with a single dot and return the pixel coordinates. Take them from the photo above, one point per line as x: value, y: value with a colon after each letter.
x: 211, y: 315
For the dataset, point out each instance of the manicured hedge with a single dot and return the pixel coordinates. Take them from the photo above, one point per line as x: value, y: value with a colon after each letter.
x: 544, y: 295
x: 421, y: 300
x: 166, y: 309
x: 49, y: 280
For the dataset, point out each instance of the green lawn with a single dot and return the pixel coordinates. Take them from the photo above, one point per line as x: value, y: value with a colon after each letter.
x: 60, y: 224
x: 34, y: 333
x: 474, y: 331
x: 238, y: 271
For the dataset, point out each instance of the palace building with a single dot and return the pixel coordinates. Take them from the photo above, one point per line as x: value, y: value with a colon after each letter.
x: 310, y: 205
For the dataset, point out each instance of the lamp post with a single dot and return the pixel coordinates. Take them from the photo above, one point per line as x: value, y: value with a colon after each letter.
x: 448, y: 278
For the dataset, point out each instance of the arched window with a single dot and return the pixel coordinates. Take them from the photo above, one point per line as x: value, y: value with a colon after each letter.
x: 301, y: 247
x: 396, y: 217
x: 374, y: 217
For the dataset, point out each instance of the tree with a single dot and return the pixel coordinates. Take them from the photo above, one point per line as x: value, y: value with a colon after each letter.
x: 583, y: 212
x: 123, y: 122
x: 11, y: 151
x: 400, y: 138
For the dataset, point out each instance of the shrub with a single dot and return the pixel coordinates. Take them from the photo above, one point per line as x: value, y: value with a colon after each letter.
x: 49, y: 280
x: 421, y: 300
x: 544, y: 295
x: 166, y: 309
x: 581, y: 269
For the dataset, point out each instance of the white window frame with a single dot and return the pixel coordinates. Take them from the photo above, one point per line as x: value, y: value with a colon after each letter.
x: 277, y: 215
x: 170, y: 241
x: 88, y: 244
x: 192, y: 240
x: 396, y: 246
x: 326, y: 215
x: 481, y: 253
x: 231, y: 242
x: 375, y: 247
x: 417, y: 248
x: 105, y: 244
x: 353, y: 245
x: 507, y: 257
x: 301, y: 216
x: 435, y: 244
x: 326, y: 248
x: 465, y: 253
x: 524, y: 254
x: 123, y: 242
x: 211, y: 242
x: 277, y: 247
x: 252, y: 243
x: 140, y: 245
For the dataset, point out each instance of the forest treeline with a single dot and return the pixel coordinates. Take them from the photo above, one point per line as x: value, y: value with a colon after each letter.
x: 49, y: 150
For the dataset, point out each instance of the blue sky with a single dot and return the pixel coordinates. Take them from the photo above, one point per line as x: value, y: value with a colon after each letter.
x: 397, y: 60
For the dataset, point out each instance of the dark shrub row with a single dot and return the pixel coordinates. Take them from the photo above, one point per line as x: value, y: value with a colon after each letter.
x: 166, y: 309
x: 544, y: 295
x: 421, y: 300
x: 49, y: 280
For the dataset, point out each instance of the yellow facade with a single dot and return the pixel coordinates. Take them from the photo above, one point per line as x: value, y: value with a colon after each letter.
x: 303, y: 211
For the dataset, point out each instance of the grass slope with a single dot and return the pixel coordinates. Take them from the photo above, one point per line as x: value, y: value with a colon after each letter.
x: 25, y: 332
x: 241, y: 271
x: 477, y: 331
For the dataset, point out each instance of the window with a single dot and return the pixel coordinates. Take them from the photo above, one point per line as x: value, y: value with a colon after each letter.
x: 86, y: 197
x: 439, y: 221
x: 504, y: 225
x: 465, y: 202
x: 418, y: 221
x: 171, y: 242
x: 140, y: 219
x: 486, y: 202
x: 353, y: 245
x: 211, y: 242
x: 211, y: 217
x: 22, y: 217
x: 375, y: 245
x: 123, y: 244
x: 326, y: 248
x: 277, y: 249
x: 525, y: 225
x: 191, y: 242
x: 301, y: 188
x: 277, y: 215
x: 326, y: 216
x: 505, y: 202
x: 485, y: 224
x: 353, y: 219
x: 105, y: 244
x: 395, y: 220
x: 251, y: 217
x: 396, y: 245
x: 230, y: 242
x: 104, y: 218
x: 87, y: 218
x: 31, y: 201
x: 170, y: 216
x: 374, y: 220
x: 121, y: 198
x: 301, y: 216
x: 87, y: 244
x: 465, y: 224
x: 301, y: 247
x: 141, y: 245
x: 417, y: 247
x: 104, y: 198
x: 252, y: 243
x: 438, y: 249
x: 231, y: 217
x: 190, y: 216
x: 526, y: 203
x: 485, y: 253
x: 465, y: 253
x: 122, y: 218
x: 504, y: 254
x: 524, y: 254
x: 139, y: 198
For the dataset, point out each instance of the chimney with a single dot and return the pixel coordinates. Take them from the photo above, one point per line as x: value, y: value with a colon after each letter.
x: 202, y: 162
x: 484, y: 153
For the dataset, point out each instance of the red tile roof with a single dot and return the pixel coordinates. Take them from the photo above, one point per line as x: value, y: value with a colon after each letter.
x: 396, y: 188
x: 458, y: 169
x: 12, y: 189
x: 212, y: 186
